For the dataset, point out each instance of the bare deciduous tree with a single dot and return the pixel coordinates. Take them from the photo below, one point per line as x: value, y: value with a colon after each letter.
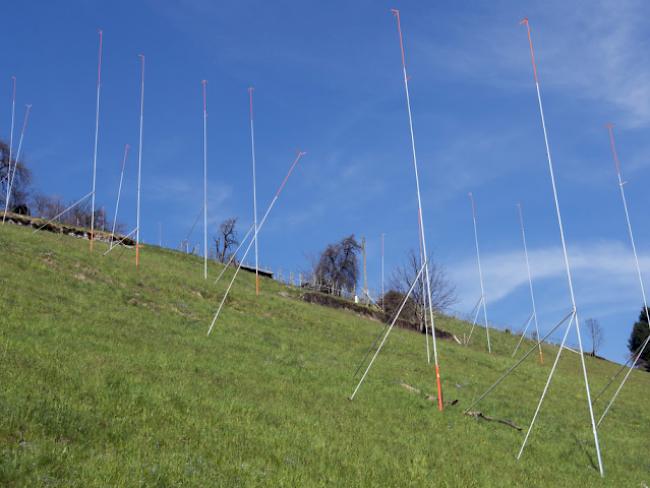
x: 22, y: 179
x: 443, y: 293
x: 227, y: 239
x: 595, y: 332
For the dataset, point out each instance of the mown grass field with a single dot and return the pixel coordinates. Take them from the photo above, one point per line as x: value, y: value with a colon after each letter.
x: 107, y: 378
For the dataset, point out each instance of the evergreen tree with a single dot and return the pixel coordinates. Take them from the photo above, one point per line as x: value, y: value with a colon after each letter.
x: 640, y: 332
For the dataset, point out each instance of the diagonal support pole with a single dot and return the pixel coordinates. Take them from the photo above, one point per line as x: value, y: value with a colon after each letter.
x: 548, y: 383
x: 521, y: 360
x: 390, y: 328
x: 475, y: 311
x: 523, y: 334
x: 566, y: 256
x: 257, y: 229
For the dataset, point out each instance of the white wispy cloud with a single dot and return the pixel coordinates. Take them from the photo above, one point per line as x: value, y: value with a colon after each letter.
x: 590, y: 50
x: 604, y: 274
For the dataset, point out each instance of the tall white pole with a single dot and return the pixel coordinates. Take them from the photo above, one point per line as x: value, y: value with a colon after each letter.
x: 382, y: 270
x: 566, y: 263
x: 13, y: 173
x: 137, y: 215
x: 422, y: 233
x: 636, y: 262
x: 480, y: 274
x: 530, y: 280
x: 257, y: 276
x: 266, y: 214
x: 205, y: 181
x: 119, y: 192
x: 99, y: 85
x: 11, y: 142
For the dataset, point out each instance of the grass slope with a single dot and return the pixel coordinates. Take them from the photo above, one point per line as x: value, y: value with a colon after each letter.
x: 108, y: 379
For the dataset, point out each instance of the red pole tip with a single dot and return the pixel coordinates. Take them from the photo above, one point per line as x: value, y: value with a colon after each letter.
x: 524, y: 21
x: 141, y: 56
x: 100, y: 32
x: 203, y: 82
x: 609, y: 125
x: 394, y: 11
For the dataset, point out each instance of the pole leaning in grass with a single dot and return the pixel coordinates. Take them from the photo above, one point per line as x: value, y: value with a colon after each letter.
x: 480, y: 274
x: 530, y: 287
x: 99, y: 85
x: 12, y: 174
x: 568, y: 273
x: 137, y: 214
x: 257, y: 229
x: 621, y: 183
x: 257, y: 275
x: 396, y: 13
x: 423, y: 322
x: 205, y: 181
x: 119, y: 192
x: 66, y: 210
x: 11, y: 143
x: 568, y: 316
x: 390, y: 328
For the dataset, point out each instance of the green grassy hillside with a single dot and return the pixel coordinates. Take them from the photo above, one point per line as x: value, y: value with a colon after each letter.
x: 107, y: 378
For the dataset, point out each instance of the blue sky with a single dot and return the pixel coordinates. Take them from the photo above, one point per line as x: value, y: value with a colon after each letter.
x: 327, y: 80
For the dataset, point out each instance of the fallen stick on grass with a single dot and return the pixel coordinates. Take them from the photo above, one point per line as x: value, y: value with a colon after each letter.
x: 479, y: 415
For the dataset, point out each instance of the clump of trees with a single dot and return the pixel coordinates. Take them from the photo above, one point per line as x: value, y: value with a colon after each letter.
x: 40, y: 205
x: 638, y: 336
x: 337, y: 269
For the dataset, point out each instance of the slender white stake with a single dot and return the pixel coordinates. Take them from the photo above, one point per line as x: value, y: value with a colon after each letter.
x: 621, y: 184
x: 257, y: 229
x: 530, y: 283
x: 382, y: 271
x: 480, y: 275
x: 392, y: 324
x: 257, y: 276
x: 420, y: 217
x: 119, y: 192
x: 11, y: 142
x: 424, y: 298
x: 99, y: 84
x: 137, y: 214
x: 205, y: 181
x: 28, y: 109
x: 566, y: 263
x: 63, y: 212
